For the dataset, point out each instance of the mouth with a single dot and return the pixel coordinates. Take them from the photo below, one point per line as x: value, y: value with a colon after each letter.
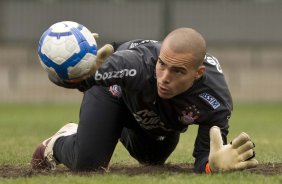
x: 163, y: 90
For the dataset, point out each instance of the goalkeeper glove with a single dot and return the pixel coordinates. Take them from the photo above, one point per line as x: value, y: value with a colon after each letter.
x: 102, y: 54
x: 237, y: 155
x: 88, y: 81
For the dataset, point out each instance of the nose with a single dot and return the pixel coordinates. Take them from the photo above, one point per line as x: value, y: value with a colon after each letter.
x: 165, y: 78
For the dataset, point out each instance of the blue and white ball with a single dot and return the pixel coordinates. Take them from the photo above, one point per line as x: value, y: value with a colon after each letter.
x: 67, y: 50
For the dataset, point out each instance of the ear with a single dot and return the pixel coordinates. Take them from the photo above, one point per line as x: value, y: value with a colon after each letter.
x: 200, y: 72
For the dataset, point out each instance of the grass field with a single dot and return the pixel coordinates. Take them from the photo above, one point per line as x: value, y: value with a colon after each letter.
x: 23, y: 126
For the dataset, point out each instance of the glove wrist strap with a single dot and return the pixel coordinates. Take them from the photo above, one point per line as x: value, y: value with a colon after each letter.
x: 208, y: 169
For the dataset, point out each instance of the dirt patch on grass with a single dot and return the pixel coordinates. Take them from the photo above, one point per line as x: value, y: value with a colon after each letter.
x: 12, y: 171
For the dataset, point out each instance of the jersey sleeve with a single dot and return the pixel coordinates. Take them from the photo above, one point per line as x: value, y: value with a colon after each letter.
x: 216, y: 113
x: 128, y: 68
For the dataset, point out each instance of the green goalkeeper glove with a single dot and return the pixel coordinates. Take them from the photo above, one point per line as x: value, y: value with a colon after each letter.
x: 237, y: 155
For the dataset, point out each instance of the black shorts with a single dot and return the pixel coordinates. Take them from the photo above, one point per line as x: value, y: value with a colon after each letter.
x: 105, y: 119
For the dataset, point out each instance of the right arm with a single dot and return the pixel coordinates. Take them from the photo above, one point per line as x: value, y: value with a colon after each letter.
x: 126, y: 67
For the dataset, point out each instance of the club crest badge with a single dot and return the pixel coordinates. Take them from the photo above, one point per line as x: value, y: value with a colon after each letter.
x: 189, y: 115
x: 115, y: 90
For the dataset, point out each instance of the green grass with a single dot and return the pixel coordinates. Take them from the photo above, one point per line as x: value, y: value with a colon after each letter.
x: 23, y: 126
x: 148, y: 179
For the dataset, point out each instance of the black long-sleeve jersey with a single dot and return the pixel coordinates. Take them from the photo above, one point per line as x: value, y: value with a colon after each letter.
x: 207, y: 103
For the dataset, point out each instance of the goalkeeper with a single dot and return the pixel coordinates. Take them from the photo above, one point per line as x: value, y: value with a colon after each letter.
x: 145, y: 94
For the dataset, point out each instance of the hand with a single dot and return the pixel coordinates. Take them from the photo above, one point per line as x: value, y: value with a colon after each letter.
x: 85, y: 82
x: 95, y: 35
x: 237, y: 155
x: 102, y: 55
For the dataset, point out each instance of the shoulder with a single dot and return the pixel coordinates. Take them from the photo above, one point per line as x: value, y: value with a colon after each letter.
x: 145, y: 43
x: 141, y: 50
x: 211, y: 62
x: 141, y: 44
x: 212, y: 88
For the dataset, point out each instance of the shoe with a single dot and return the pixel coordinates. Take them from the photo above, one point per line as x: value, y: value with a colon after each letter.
x: 42, y: 158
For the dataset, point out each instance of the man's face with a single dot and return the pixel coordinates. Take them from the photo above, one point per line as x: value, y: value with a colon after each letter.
x: 175, y: 73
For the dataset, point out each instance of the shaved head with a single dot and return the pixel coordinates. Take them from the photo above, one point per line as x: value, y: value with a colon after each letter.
x: 186, y: 42
x: 180, y: 62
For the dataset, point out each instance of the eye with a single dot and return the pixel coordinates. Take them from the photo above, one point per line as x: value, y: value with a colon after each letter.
x: 179, y: 71
x: 161, y: 63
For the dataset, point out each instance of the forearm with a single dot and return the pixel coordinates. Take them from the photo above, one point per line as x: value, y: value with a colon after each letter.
x: 201, y: 150
x: 200, y: 165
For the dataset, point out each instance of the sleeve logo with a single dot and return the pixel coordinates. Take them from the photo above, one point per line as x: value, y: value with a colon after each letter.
x: 210, y: 100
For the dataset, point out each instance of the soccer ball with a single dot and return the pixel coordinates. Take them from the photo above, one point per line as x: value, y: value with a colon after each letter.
x: 67, y: 50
